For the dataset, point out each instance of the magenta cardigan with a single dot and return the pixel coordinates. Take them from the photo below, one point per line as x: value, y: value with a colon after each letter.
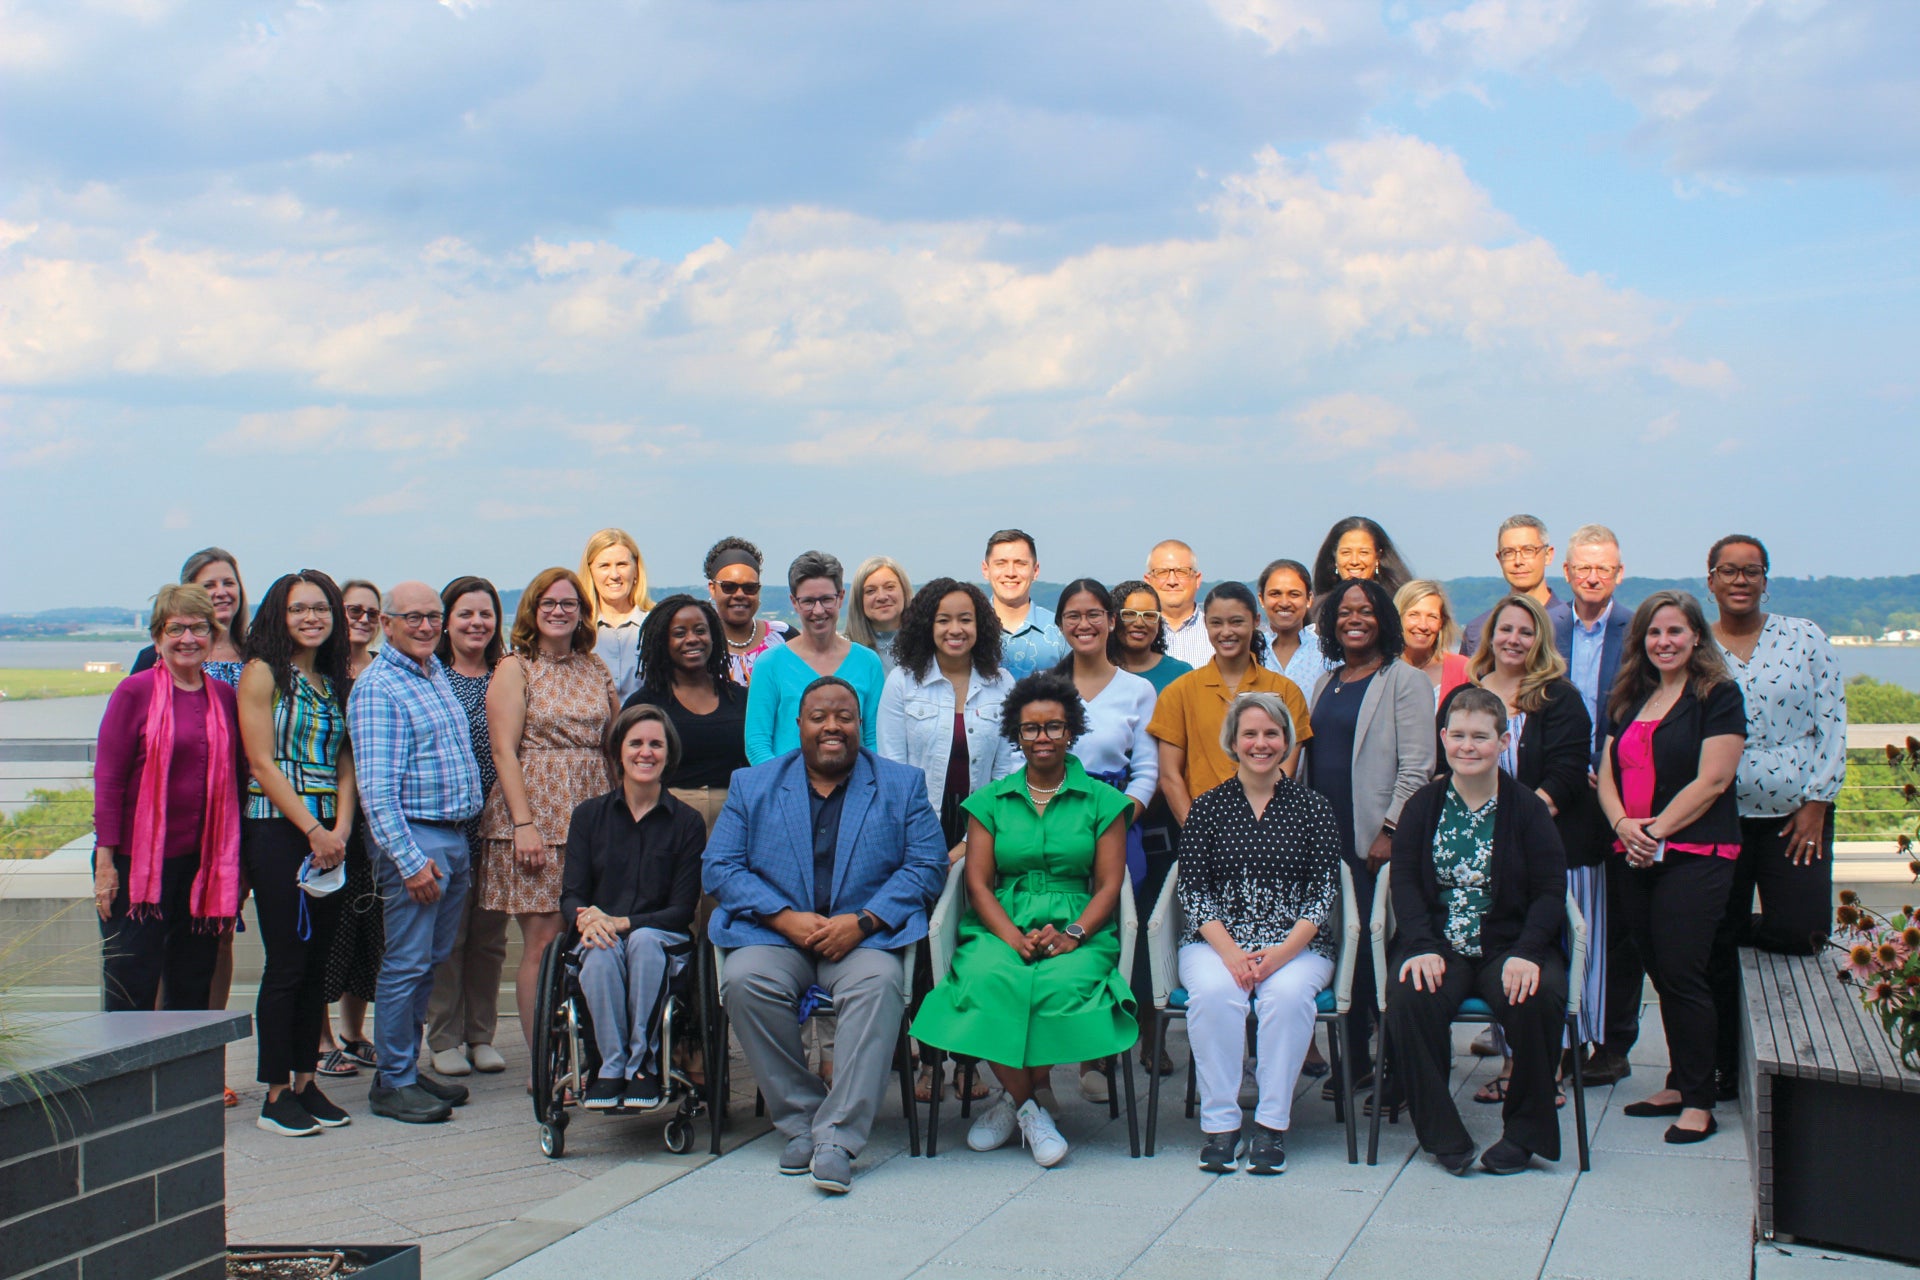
x: 121, y: 756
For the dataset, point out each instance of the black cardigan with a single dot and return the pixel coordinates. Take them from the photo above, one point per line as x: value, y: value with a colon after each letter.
x: 1676, y: 758
x: 1556, y: 746
x: 648, y: 871
x: 1529, y: 876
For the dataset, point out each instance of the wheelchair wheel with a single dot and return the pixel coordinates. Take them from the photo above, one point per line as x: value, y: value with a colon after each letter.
x: 679, y: 1135
x: 552, y: 1049
x: 553, y: 1140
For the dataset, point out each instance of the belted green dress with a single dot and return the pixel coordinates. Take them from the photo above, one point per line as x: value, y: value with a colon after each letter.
x: 1070, y: 1008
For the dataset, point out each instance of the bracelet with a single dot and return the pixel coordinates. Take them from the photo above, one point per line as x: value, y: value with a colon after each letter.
x: 308, y: 833
x: 518, y: 825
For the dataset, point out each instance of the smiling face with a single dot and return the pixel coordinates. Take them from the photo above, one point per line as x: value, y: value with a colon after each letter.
x: 817, y: 601
x: 614, y: 573
x: 184, y: 643
x: 1260, y: 743
x: 735, y: 591
x: 1357, y: 625
x: 830, y: 730
x: 1010, y: 568
x: 309, y: 616
x: 1513, y: 640
x: 689, y: 639
x: 363, y: 616
x: 1670, y: 640
x: 1174, y: 575
x: 1086, y: 624
x: 883, y: 599
x: 1422, y: 622
x: 1139, y: 622
x: 1285, y: 598
x: 558, y: 612
x: 222, y: 583
x: 415, y: 639
x: 643, y: 753
x: 471, y: 623
x: 1738, y: 579
x: 1593, y: 571
x: 955, y: 628
x: 1229, y: 628
x: 1355, y: 555
x: 1472, y: 744
x: 1043, y: 735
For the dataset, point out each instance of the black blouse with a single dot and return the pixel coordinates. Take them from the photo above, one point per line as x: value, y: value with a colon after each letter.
x: 1676, y: 757
x: 648, y: 871
x: 711, y: 746
x: 1555, y: 749
x: 1261, y: 876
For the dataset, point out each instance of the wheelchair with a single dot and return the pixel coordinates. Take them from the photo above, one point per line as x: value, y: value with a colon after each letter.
x: 566, y: 1055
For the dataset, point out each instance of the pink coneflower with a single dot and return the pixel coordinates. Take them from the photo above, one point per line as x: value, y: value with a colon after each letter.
x: 1882, y: 992
x: 1860, y: 961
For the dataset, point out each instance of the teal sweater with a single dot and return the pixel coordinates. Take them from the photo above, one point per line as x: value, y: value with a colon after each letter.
x: 773, y: 698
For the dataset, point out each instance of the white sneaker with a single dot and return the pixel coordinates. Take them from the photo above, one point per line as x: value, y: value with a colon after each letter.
x: 1038, y: 1133
x: 487, y: 1058
x: 451, y: 1062
x: 1093, y: 1087
x: 994, y: 1127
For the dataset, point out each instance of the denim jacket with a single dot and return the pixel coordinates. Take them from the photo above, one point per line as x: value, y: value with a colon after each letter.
x: 916, y: 727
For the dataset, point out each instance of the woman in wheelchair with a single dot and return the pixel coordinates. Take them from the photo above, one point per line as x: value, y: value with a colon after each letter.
x: 1259, y: 877
x: 632, y: 882
x: 1479, y: 886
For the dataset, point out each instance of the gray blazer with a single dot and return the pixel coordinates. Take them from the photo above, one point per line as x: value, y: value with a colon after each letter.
x: 1393, y: 747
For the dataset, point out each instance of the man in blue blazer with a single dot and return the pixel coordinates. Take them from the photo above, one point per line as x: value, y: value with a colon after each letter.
x: 824, y: 862
x: 1590, y: 631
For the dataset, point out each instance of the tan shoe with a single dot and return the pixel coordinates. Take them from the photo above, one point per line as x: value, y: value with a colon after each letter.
x: 451, y: 1062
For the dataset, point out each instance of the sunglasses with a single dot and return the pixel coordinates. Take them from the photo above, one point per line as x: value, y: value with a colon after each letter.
x: 738, y: 588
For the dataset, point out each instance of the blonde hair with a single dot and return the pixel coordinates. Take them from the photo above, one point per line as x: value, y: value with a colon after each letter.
x: 180, y: 600
x: 1544, y: 664
x: 859, y: 629
x: 526, y: 631
x: 590, y: 591
x: 1416, y: 591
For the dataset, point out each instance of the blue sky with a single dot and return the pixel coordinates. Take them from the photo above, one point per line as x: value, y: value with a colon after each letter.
x: 418, y: 289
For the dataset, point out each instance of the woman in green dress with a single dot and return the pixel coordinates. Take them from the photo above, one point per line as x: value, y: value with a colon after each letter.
x: 1034, y: 979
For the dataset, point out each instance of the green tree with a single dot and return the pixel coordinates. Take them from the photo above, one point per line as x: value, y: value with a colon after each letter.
x: 1870, y: 701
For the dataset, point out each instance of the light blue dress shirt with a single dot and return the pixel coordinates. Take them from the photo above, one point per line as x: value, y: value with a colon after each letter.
x: 1587, y: 644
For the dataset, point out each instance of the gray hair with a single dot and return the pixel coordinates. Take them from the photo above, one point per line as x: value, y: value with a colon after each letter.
x: 815, y: 564
x: 1276, y: 711
x: 1522, y: 522
x: 1591, y: 535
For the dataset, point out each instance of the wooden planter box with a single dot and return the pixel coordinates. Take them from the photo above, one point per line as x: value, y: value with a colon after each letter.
x: 376, y: 1261
x: 1832, y: 1116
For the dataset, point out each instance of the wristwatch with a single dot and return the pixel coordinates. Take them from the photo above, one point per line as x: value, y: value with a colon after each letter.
x: 869, y: 923
x: 1075, y: 932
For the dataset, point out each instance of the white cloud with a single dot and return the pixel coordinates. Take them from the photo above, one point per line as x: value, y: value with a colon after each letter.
x: 1701, y: 375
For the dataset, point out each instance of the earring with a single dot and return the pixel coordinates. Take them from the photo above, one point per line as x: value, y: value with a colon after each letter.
x: 1764, y: 596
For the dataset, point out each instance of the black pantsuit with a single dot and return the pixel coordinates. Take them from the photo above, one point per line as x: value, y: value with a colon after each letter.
x: 1795, y: 917
x: 1626, y: 972
x: 1419, y: 1031
x: 1674, y: 908
x: 293, y: 997
x: 160, y: 955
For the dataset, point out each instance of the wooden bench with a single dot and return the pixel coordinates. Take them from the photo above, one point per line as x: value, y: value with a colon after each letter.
x: 1832, y: 1117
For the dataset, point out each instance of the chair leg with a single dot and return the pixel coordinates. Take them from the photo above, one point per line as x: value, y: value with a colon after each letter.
x: 1193, y: 1082
x: 1580, y: 1101
x: 963, y: 1073
x: 903, y: 1057
x: 1125, y: 1068
x: 1334, y: 1058
x: 716, y: 1081
x: 1344, y: 1064
x: 1379, y: 1091
x: 1113, y: 1096
x: 932, y: 1060
x: 1157, y: 1032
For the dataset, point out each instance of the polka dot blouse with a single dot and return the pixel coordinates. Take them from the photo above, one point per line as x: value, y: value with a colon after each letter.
x: 1261, y: 876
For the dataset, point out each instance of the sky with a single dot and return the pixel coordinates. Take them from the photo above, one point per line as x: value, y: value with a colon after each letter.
x: 414, y: 289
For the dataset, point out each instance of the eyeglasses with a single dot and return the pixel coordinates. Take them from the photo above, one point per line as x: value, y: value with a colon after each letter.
x: 1739, y: 573
x: 1139, y: 615
x: 302, y: 610
x: 1173, y: 575
x: 198, y: 630
x: 415, y: 621
x: 1031, y: 732
x: 1075, y: 618
x: 737, y: 588
x: 808, y: 604
x: 559, y: 606
x: 1593, y: 570
x: 362, y: 613
x: 1532, y: 551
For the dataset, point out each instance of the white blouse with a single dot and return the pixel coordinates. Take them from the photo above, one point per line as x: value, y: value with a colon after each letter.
x: 1796, y: 719
x: 1116, y: 739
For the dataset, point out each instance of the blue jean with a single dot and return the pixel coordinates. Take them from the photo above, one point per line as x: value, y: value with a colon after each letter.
x: 418, y: 939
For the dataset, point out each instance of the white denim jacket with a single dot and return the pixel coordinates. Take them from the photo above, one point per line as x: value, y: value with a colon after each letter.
x: 916, y: 727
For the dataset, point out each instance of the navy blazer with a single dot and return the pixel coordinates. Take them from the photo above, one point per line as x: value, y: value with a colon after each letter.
x: 1613, y: 643
x: 891, y: 857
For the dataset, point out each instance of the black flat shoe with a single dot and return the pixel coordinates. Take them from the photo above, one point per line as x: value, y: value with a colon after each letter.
x: 1681, y: 1137
x: 1457, y: 1163
x: 1651, y: 1110
x: 1506, y: 1157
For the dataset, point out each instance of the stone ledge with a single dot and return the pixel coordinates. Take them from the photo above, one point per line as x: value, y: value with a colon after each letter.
x: 67, y: 1051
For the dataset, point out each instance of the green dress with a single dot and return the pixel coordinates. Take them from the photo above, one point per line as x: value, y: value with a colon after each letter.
x: 1071, y: 1008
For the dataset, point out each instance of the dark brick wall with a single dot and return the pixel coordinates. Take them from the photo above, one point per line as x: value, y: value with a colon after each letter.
x: 124, y: 1180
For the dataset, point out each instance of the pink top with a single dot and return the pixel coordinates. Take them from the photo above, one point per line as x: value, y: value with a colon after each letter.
x: 121, y: 757
x: 1636, y: 789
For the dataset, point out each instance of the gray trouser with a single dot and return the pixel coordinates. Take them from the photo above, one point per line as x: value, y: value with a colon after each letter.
x: 762, y: 991
x: 625, y: 985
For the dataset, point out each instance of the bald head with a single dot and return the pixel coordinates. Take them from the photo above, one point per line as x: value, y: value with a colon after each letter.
x: 422, y: 603
x: 1175, y: 574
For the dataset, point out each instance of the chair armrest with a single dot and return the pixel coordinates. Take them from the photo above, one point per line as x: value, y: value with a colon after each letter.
x: 1348, y: 958
x: 1129, y: 928
x: 1577, y: 961
x: 1164, y: 926
x: 943, y: 926
x: 1380, y: 930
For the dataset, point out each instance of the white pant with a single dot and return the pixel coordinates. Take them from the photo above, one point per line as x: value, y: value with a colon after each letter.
x: 1217, y: 1033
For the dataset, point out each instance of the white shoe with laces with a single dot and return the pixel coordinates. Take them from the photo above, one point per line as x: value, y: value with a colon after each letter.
x: 994, y: 1127
x: 1038, y: 1134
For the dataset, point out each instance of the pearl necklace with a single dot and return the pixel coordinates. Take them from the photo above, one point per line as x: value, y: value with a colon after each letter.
x: 742, y: 645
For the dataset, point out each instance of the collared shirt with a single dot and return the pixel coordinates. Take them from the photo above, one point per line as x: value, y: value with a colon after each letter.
x: 1796, y: 719
x: 412, y: 752
x: 1307, y: 664
x: 647, y: 871
x: 1192, y: 709
x: 1033, y: 646
x: 1188, y: 641
x: 826, y: 838
x: 618, y: 644
x: 1588, y: 643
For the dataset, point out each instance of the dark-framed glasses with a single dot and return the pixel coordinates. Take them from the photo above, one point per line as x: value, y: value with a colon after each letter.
x: 198, y: 630
x: 559, y: 606
x: 303, y: 610
x: 416, y: 621
x: 363, y: 613
x: 1031, y: 731
x: 1731, y: 573
x: 1531, y: 551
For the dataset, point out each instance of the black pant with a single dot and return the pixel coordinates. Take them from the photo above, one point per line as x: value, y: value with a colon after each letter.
x: 1364, y: 1011
x: 1796, y: 914
x: 1675, y: 907
x: 136, y: 955
x: 293, y: 995
x: 1420, y: 1047
x: 1626, y: 972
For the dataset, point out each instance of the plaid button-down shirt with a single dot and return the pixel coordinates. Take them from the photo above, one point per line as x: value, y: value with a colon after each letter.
x: 412, y: 754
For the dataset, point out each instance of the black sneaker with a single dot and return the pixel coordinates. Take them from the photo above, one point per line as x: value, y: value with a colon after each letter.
x: 1221, y: 1152
x: 285, y: 1116
x: 1457, y: 1163
x: 409, y: 1104
x: 1267, y: 1153
x: 604, y: 1094
x: 1505, y: 1157
x: 643, y: 1091
x: 321, y: 1108
x: 454, y: 1095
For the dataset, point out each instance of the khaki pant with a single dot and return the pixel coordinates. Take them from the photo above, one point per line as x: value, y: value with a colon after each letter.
x: 466, y: 986
x: 705, y: 801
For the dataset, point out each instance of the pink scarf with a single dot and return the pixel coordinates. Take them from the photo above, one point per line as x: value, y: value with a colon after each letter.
x: 215, y: 899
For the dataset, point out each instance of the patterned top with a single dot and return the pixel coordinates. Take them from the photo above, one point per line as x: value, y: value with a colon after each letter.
x: 1463, y: 865
x: 1034, y: 646
x: 308, y: 728
x: 569, y: 701
x: 472, y: 693
x: 1796, y: 719
x: 412, y: 755
x: 1261, y: 876
x: 1189, y: 641
x: 740, y: 661
x: 227, y: 673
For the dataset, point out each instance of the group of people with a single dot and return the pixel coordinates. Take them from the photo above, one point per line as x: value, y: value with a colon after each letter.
x: 642, y: 774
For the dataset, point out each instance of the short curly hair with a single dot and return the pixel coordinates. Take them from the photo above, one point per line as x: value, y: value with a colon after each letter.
x: 1392, y: 642
x: 913, y: 645
x: 1043, y: 686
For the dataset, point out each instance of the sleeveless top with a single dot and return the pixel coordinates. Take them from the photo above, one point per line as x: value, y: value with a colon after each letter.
x: 308, y: 728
